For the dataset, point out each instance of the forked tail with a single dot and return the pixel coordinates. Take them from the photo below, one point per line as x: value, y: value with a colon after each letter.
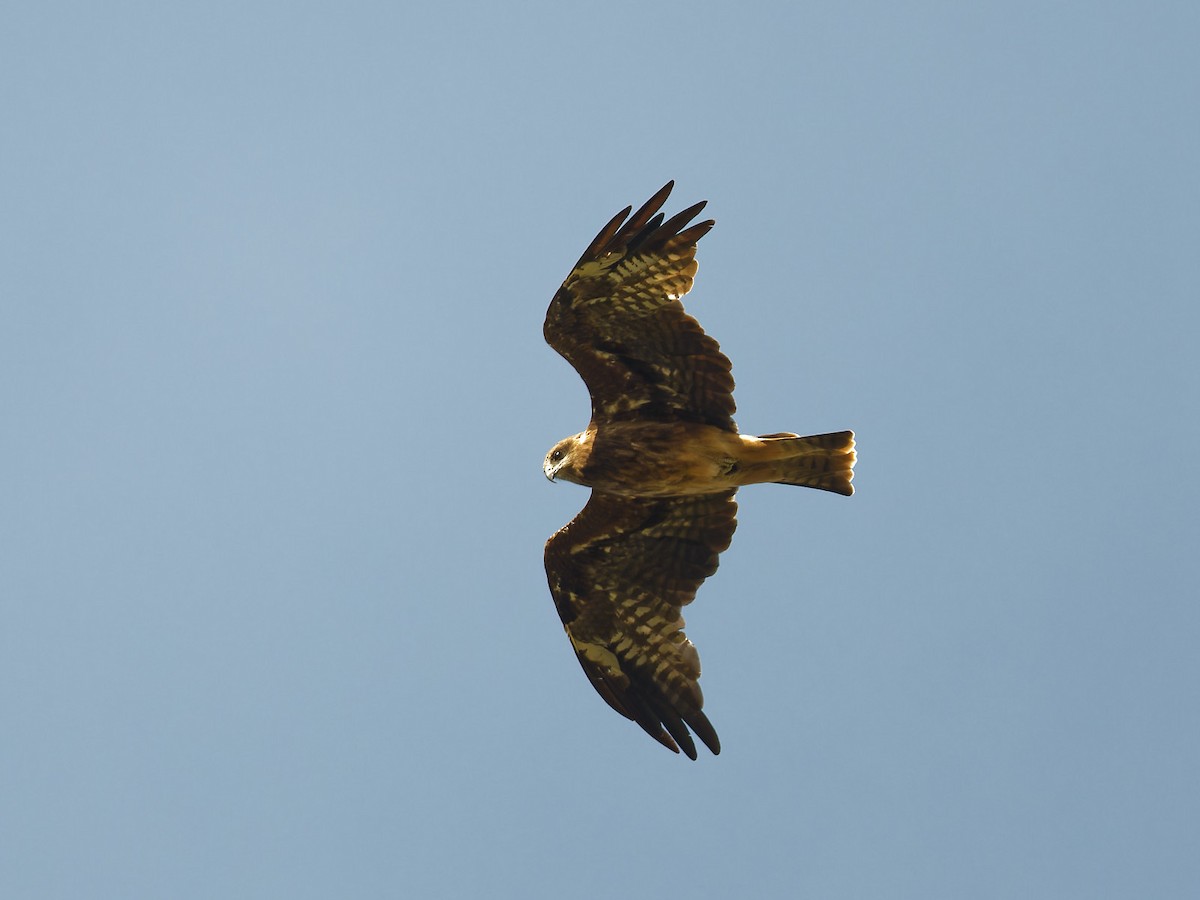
x: 822, y: 461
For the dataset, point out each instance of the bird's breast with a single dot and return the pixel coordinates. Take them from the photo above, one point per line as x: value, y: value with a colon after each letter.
x: 661, y: 459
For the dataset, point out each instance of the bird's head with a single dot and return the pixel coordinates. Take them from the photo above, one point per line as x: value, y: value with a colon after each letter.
x: 566, y: 458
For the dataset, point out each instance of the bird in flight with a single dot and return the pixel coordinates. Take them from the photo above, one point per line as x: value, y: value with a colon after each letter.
x: 664, y: 459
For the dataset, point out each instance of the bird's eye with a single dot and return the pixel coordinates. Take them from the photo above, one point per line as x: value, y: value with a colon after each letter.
x: 556, y: 456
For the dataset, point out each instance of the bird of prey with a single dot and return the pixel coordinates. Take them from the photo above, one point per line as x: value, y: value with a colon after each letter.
x: 664, y: 459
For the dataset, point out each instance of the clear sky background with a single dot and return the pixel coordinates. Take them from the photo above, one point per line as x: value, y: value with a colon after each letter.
x: 274, y: 400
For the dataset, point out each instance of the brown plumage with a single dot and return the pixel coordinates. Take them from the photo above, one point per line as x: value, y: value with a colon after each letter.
x: 664, y: 459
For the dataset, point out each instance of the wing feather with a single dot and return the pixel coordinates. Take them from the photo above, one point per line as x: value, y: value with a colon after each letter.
x: 620, y: 572
x: 619, y: 321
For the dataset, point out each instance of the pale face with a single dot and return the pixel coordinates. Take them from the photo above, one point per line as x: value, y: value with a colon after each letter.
x: 565, y: 458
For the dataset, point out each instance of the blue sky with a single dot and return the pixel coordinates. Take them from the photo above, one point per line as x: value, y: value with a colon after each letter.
x: 275, y: 399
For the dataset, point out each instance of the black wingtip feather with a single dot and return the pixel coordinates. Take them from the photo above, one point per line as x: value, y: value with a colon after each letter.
x: 697, y: 231
x: 640, y: 218
x: 648, y: 706
x: 645, y: 229
x: 606, y: 234
x: 703, y: 729
x: 678, y: 730
x: 677, y: 221
x: 635, y: 243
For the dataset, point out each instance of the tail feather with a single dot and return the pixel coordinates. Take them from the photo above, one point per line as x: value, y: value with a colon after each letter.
x: 822, y: 461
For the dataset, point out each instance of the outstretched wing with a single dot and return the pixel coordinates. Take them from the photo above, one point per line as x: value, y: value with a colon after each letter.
x: 620, y: 571
x: 618, y: 320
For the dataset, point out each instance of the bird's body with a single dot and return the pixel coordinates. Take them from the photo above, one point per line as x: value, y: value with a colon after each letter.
x: 675, y: 459
x: 663, y: 458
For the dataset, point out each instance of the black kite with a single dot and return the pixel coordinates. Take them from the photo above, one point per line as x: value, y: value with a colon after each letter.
x: 664, y: 459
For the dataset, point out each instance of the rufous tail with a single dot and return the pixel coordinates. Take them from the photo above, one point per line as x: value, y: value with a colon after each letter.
x: 822, y: 461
